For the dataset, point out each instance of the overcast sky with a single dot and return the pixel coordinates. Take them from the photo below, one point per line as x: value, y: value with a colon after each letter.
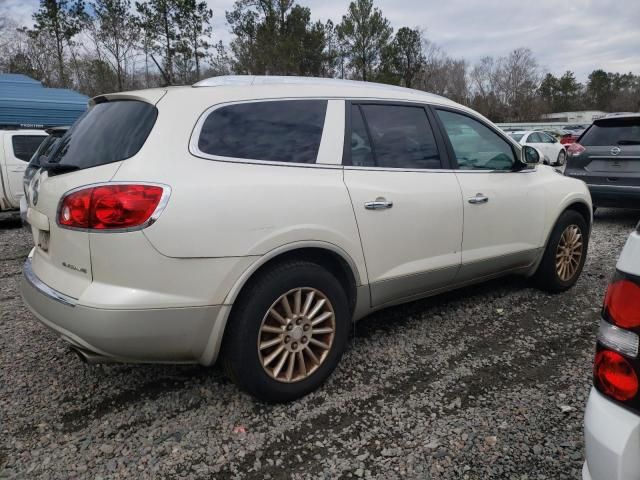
x: 577, y: 35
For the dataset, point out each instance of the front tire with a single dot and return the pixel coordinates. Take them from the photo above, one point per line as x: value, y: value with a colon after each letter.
x: 565, y: 254
x: 287, y: 331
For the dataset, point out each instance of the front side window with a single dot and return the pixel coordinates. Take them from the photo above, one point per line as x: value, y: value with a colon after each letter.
x: 476, y: 146
x: 278, y: 131
x: 24, y: 146
x: 401, y: 137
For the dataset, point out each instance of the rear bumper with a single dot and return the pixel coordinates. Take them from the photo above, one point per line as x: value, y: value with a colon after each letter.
x: 172, y: 335
x: 615, y: 196
x: 612, y: 441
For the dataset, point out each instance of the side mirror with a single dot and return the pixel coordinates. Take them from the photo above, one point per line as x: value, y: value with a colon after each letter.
x: 530, y: 155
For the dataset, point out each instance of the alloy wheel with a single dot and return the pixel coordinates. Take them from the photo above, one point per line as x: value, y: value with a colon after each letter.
x: 296, y: 334
x: 569, y: 253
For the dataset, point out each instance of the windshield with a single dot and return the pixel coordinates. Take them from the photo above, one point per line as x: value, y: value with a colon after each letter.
x: 613, y: 132
x: 108, y: 132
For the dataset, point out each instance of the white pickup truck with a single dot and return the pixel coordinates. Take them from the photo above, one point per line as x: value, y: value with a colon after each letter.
x: 16, y: 149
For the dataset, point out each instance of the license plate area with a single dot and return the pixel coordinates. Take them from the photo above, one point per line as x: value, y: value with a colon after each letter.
x: 43, y: 240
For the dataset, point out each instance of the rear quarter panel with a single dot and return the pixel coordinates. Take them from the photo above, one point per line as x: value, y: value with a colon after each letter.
x: 233, y: 209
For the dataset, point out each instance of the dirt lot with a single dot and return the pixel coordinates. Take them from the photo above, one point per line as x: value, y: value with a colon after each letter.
x: 486, y: 382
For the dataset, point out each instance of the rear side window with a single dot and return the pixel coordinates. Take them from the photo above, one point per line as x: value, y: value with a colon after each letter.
x: 401, y: 137
x: 107, y: 132
x: 278, y: 131
x: 516, y: 136
x: 24, y: 146
x: 613, y: 132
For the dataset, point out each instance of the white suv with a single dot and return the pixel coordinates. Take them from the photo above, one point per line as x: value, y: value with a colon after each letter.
x: 612, y: 418
x: 257, y: 217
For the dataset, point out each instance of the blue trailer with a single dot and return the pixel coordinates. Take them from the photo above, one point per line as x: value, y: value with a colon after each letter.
x: 26, y: 103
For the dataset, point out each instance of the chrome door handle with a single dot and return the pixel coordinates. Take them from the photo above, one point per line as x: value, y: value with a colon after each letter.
x: 479, y: 198
x: 380, y: 203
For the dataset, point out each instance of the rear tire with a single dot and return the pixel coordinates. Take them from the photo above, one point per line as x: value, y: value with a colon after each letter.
x: 562, y: 156
x: 565, y: 254
x: 258, y: 341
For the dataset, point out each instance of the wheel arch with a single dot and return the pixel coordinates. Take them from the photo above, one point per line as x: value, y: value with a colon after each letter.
x: 577, y: 205
x: 328, y: 255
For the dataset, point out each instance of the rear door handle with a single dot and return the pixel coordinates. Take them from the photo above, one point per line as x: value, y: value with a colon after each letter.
x: 379, y: 203
x: 479, y: 198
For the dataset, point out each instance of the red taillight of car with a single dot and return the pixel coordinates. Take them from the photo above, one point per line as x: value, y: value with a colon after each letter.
x: 110, y: 207
x: 575, y: 149
x: 614, y: 376
x: 622, y: 304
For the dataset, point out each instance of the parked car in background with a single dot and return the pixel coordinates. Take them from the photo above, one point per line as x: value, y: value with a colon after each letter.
x: 17, y: 146
x: 612, y: 417
x: 308, y: 203
x: 607, y: 158
x: 553, y: 151
x: 44, y: 150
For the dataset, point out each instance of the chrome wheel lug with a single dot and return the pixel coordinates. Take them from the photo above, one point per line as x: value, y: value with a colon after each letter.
x: 287, y: 339
x: 306, y: 327
x: 294, y: 345
x: 304, y: 339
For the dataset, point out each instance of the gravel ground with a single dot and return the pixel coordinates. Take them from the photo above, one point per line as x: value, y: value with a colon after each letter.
x: 485, y: 382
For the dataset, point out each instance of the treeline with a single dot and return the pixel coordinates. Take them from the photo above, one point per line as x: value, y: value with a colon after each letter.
x: 101, y: 46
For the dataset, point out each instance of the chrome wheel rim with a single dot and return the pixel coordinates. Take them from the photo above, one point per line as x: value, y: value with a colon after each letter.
x: 569, y: 253
x: 296, y: 334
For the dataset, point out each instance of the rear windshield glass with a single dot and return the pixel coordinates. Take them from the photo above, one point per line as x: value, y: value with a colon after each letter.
x: 24, y: 146
x: 108, y: 132
x: 613, y: 132
x: 279, y: 131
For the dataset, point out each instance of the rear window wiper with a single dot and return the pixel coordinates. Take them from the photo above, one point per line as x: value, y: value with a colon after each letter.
x: 57, y: 167
x: 628, y: 142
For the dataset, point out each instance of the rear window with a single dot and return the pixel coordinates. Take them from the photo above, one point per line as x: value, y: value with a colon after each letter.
x: 278, y: 131
x: 613, y: 132
x: 107, y: 132
x: 24, y: 146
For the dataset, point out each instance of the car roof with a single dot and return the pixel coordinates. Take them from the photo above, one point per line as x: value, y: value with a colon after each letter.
x: 614, y: 118
x: 241, y: 87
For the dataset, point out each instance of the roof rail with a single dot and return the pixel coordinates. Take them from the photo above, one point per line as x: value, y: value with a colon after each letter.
x: 254, y: 80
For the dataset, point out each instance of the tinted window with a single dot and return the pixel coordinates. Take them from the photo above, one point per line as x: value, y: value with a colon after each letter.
x: 546, y: 138
x: 107, y: 132
x: 476, y: 146
x: 534, y: 138
x: 24, y: 146
x: 279, y: 131
x: 613, y: 132
x: 401, y: 137
x: 361, y: 154
x: 516, y: 136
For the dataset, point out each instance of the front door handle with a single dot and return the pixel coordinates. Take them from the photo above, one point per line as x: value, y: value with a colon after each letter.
x: 379, y: 203
x: 479, y: 198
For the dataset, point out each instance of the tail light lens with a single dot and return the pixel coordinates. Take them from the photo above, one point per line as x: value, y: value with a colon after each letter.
x: 622, y: 303
x: 575, y: 149
x: 112, y: 207
x: 614, y: 376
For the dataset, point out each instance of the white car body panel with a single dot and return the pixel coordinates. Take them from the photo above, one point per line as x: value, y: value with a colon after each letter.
x: 227, y: 217
x: 612, y: 433
x: 12, y: 168
x: 549, y: 150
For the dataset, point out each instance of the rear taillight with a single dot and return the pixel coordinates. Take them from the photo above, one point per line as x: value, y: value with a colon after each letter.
x: 622, y: 303
x: 614, y: 376
x: 112, y: 206
x: 617, y: 366
x: 575, y: 149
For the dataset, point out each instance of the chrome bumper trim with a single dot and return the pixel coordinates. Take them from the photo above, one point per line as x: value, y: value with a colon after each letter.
x: 45, y: 289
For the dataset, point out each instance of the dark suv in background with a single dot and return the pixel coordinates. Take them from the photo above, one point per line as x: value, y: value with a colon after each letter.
x: 607, y: 158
